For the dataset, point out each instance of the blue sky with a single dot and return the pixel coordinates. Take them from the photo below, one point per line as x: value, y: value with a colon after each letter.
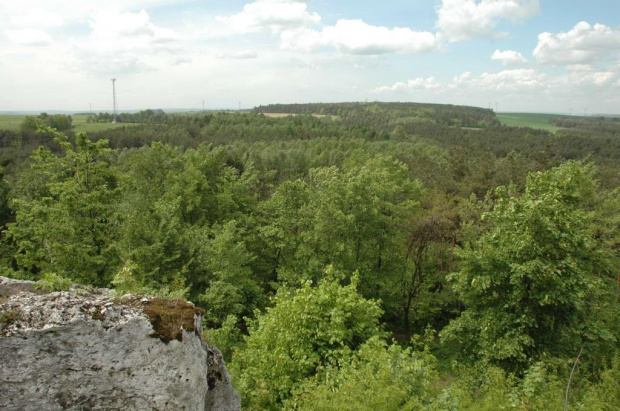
x: 514, y: 55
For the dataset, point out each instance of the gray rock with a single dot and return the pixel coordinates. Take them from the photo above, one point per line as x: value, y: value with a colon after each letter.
x: 92, y: 350
x: 9, y: 287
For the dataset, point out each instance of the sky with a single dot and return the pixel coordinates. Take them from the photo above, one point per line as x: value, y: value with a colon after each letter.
x: 556, y: 56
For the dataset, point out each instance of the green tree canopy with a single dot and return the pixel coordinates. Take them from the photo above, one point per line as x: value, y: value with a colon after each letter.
x: 379, y: 377
x: 63, y: 226
x: 307, y: 332
x: 537, y: 283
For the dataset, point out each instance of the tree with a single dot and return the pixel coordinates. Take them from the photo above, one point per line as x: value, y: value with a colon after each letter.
x: 60, y: 122
x: 63, y: 226
x: 176, y: 220
x: 379, y: 377
x: 353, y: 218
x: 231, y: 287
x: 536, y: 283
x: 307, y: 332
x: 429, y: 253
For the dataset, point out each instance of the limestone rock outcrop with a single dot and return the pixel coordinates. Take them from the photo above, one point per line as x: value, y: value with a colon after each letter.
x: 89, y: 349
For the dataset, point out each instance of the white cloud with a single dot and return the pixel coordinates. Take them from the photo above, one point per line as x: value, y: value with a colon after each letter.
x: 467, y: 19
x: 124, y: 42
x: 29, y: 37
x: 417, y: 83
x: 358, y: 37
x: 509, y: 57
x: 510, y: 80
x: 135, y: 28
x: 237, y: 55
x: 582, y: 79
x: 37, y: 17
x: 506, y: 80
x: 583, y: 44
x: 584, y: 75
x: 461, y: 79
x: 106, y: 64
x: 271, y: 15
x: 53, y: 13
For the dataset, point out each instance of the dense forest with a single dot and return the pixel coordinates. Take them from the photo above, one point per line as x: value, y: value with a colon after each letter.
x: 353, y: 256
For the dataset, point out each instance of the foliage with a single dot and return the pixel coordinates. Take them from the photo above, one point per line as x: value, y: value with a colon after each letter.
x: 227, y: 338
x: 604, y: 395
x: 58, y: 122
x: 354, y: 219
x: 170, y: 214
x: 307, y: 332
x: 63, y: 226
x: 536, y: 283
x: 490, y: 389
x: 379, y: 377
x: 54, y: 282
x: 227, y: 209
x: 542, y: 387
x: 232, y: 289
x: 125, y: 281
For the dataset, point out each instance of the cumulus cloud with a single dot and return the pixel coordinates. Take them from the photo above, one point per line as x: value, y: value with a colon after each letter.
x: 271, y: 15
x: 358, y: 37
x: 122, y: 42
x: 461, y: 79
x: 506, y: 80
x: 55, y: 13
x: 581, y: 78
x: 509, y: 57
x: 417, y: 83
x: 135, y: 28
x: 583, y: 44
x: 106, y: 64
x: 29, y: 37
x: 467, y: 19
x: 585, y: 75
x: 510, y: 80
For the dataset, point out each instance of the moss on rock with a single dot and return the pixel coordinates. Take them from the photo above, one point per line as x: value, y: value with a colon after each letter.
x: 170, y: 317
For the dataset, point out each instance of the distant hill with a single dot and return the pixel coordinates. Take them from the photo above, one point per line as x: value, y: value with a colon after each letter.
x: 403, y: 113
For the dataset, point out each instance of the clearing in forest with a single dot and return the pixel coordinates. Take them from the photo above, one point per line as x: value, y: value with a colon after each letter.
x: 533, y: 120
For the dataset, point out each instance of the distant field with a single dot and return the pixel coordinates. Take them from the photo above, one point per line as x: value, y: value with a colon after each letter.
x: 81, y: 126
x: 533, y: 120
x: 10, y: 121
x: 13, y: 121
x: 277, y: 115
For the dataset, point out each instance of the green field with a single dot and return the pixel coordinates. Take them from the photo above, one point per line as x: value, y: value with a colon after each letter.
x: 533, y: 120
x: 13, y: 121
x: 81, y: 126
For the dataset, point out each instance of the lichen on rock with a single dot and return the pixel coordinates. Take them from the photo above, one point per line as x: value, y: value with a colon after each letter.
x: 94, y: 350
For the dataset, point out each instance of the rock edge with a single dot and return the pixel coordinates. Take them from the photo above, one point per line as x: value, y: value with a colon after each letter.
x: 89, y: 349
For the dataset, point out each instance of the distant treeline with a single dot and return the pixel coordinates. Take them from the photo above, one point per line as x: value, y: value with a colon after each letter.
x: 360, y: 121
x: 60, y: 122
x: 377, y: 113
x: 144, y: 116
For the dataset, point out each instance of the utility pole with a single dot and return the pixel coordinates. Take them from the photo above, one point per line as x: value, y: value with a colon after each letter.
x: 239, y: 106
x: 203, y: 106
x: 114, y: 98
